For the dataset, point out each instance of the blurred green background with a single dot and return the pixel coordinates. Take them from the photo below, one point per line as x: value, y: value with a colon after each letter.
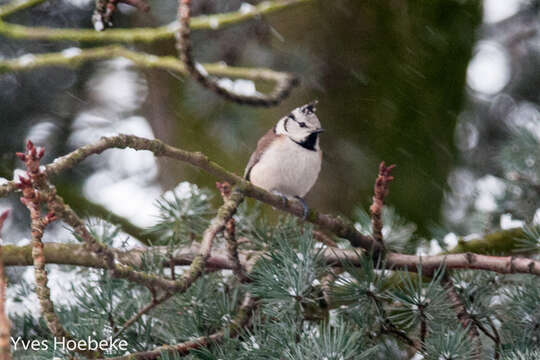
x: 389, y: 77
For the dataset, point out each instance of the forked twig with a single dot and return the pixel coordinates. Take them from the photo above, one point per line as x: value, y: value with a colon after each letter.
x: 34, y: 193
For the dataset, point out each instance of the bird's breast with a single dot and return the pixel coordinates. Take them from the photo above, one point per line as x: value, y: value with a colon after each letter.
x: 288, y: 168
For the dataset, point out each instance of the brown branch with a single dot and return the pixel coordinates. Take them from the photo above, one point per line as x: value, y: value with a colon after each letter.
x: 423, y: 328
x: 155, y: 302
x: 326, y: 284
x: 464, y: 318
x: 240, y: 321
x: 230, y: 236
x: 485, y: 331
x: 324, y: 239
x: 388, y: 327
x: 496, y: 339
x: 380, y: 192
x: 197, y: 71
x: 5, y: 351
x: 499, y: 264
x: 79, y: 255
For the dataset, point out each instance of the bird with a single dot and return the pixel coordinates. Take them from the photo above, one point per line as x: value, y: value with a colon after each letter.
x: 288, y: 158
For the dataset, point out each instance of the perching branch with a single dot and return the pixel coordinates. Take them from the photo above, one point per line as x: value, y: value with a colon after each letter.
x: 5, y: 350
x: 200, y: 74
x: 340, y: 227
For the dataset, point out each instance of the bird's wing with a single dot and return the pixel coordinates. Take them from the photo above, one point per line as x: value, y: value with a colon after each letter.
x: 262, y: 145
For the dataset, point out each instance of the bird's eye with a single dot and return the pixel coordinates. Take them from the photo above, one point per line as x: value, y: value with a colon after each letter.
x: 302, y: 124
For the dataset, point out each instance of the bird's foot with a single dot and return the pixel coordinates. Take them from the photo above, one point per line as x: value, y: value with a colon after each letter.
x: 306, y: 208
x: 284, y: 198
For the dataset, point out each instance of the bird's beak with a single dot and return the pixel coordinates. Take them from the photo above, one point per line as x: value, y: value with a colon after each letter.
x: 318, y: 131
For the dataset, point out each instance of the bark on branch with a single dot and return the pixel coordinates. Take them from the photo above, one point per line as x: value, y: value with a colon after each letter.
x: 78, y: 255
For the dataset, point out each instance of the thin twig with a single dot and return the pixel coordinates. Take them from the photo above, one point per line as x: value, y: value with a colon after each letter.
x: 380, y: 192
x: 242, y: 318
x: 323, y: 238
x: 388, y: 326
x: 464, y: 317
x: 326, y: 284
x: 155, y: 302
x: 423, y: 328
x: 32, y: 198
x: 196, y: 269
x: 230, y: 236
x: 497, y: 339
x: 200, y: 74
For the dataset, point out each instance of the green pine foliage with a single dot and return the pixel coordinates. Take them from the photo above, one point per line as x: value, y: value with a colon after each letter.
x: 305, y: 308
x: 373, y: 313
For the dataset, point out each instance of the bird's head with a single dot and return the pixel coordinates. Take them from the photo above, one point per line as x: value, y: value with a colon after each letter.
x: 300, y: 124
